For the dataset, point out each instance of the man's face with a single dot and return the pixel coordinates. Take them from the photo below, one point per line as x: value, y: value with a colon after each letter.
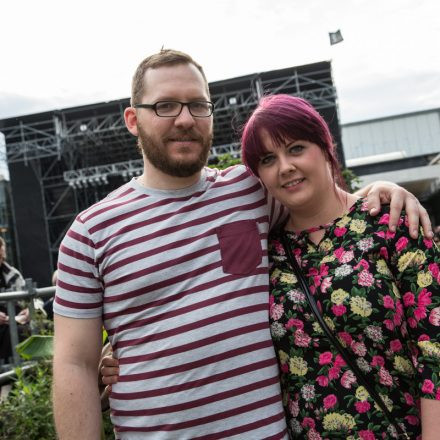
x: 2, y: 254
x: 178, y: 146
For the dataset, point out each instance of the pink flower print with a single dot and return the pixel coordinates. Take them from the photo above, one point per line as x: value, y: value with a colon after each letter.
x: 364, y: 205
x: 322, y: 381
x: 302, y: 339
x: 359, y: 348
x: 339, y: 310
x: 434, y: 269
x: 377, y: 361
x: 326, y: 283
x: 412, y: 322
x: 389, y: 235
x: 339, y: 361
x: 339, y: 232
x: 363, y: 263
x: 279, y: 248
x: 292, y: 322
x: 395, y: 345
x: 325, y: 358
x: 313, y: 434
x: 284, y: 368
x: 384, y: 252
x: 345, y: 337
x: 412, y: 420
x: 347, y: 257
x: 333, y: 373
x: 397, y: 318
x: 389, y: 324
x: 434, y: 317
x: 427, y: 387
x: 308, y: 422
x: 348, y: 379
x: 409, y: 399
x: 437, y: 394
x: 365, y: 278
x: 384, y: 220
x: 276, y: 311
x: 427, y: 243
x: 362, y: 406
x: 330, y: 401
x: 424, y: 298
x: 294, y: 408
x: 401, y: 244
x: 367, y: 435
x: 388, y: 302
x: 385, y: 377
x: 409, y: 299
x: 423, y: 337
x: 338, y: 253
x: 420, y: 313
x: 380, y: 234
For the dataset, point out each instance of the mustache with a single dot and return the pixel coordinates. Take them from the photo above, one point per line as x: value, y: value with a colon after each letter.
x: 184, y: 134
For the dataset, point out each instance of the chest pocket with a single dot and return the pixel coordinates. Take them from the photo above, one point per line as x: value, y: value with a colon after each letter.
x: 240, y: 247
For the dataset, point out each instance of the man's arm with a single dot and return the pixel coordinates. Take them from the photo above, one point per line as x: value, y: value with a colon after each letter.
x: 430, y: 410
x: 77, y: 349
x: 381, y: 192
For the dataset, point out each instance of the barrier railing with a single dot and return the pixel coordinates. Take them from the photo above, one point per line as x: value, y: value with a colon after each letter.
x: 11, y: 297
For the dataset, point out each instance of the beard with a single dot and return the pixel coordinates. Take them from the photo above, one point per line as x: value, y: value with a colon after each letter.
x: 156, y: 153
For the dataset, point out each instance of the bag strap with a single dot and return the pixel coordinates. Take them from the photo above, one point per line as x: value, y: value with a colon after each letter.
x: 333, y: 339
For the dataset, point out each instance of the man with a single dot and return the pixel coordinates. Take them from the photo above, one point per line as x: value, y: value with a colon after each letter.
x: 175, y: 265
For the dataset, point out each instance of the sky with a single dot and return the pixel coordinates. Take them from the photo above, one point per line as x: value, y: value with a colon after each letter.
x: 58, y: 54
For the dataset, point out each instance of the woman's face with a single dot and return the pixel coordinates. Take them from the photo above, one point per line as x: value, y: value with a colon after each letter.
x: 295, y: 173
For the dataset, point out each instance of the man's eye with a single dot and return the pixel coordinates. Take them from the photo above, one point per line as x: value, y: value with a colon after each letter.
x: 166, y: 106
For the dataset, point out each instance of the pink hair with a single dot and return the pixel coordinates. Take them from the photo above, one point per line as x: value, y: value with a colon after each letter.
x: 287, y: 118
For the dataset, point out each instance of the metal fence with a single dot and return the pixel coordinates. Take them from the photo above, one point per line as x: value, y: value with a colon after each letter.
x: 10, y: 298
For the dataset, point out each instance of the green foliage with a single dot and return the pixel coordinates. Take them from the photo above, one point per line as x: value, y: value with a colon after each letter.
x: 351, y: 179
x: 225, y: 161
x: 36, y: 347
x: 27, y: 411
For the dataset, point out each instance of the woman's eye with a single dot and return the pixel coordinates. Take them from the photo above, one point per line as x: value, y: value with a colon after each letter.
x: 266, y: 160
x: 295, y: 149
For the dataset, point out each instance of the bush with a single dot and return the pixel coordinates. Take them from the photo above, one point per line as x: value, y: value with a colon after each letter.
x: 27, y: 411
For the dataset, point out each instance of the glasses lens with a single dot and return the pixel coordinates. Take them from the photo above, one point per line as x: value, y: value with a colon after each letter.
x: 200, y: 108
x: 168, y: 108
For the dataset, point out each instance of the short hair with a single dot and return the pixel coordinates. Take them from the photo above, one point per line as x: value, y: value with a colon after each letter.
x: 166, y: 57
x: 287, y: 117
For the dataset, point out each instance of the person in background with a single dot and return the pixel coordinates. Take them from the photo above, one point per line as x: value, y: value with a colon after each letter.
x: 378, y: 290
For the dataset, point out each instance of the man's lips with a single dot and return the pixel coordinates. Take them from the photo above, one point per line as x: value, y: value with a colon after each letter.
x: 292, y: 183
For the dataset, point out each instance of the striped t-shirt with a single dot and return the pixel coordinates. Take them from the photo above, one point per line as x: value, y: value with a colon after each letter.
x: 180, y: 279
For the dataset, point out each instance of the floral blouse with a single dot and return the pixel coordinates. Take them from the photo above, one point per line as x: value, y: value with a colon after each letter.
x: 380, y: 293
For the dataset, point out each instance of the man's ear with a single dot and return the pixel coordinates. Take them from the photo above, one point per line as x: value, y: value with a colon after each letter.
x: 130, y: 119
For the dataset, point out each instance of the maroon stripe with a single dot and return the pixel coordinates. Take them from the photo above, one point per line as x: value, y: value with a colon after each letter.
x: 111, y: 197
x: 151, y: 252
x: 196, y: 383
x: 74, y: 271
x: 155, y: 235
x: 219, y: 357
x: 78, y: 289
x: 164, y: 265
x: 163, y: 284
x: 203, y: 420
x: 114, y: 205
x: 71, y: 253
x: 182, y: 294
x: 78, y: 237
x: 75, y: 305
x: 193, y: 345
x: 198, y: 402
x: 177, y: 330
x: 246, y: 428
x: 166, y: 231
x: 160, y: 218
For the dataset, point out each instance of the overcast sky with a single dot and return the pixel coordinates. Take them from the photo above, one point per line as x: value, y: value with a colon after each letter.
x: 57, y: 54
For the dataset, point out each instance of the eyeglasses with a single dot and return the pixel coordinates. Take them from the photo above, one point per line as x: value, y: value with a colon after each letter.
x: 172, y: 109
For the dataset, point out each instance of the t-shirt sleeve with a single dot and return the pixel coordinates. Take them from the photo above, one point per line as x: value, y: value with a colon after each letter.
x: 416, y: 264
x: 79, y: 291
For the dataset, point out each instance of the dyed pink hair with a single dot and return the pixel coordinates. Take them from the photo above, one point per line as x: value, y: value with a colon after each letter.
x: 287, y: 118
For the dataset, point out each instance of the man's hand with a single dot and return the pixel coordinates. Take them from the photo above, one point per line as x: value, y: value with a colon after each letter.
x: 380, y: 192
x: 4, y: 318
x: 23, y: 317
x: 109, y: 370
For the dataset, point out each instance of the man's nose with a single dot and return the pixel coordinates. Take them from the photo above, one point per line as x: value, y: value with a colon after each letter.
x: 185, y: 118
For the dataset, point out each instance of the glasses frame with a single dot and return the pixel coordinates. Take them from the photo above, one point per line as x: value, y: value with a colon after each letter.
x: 182, y: 104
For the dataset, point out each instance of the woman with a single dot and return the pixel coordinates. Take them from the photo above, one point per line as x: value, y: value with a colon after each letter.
x: 377, y: 291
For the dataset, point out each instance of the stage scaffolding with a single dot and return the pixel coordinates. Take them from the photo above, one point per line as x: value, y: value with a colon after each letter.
x: 78, y: 155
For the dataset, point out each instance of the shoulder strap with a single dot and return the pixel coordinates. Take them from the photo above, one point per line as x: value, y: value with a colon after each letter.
x: 333, y: 339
